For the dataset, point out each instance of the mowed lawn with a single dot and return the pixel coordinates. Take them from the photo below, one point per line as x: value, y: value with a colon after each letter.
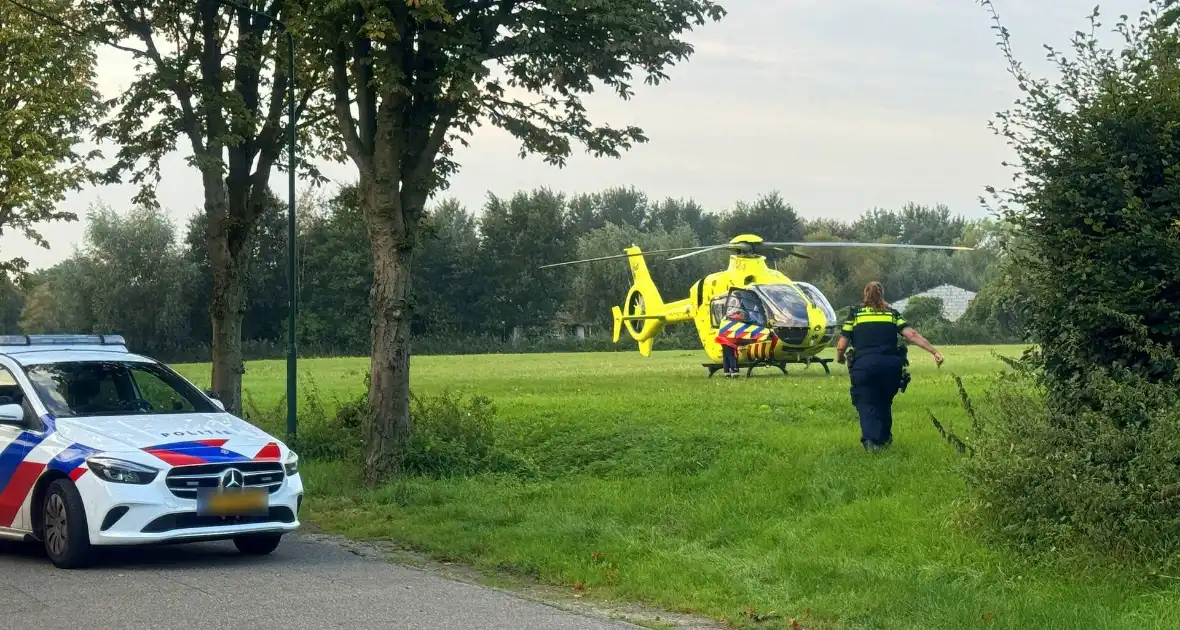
x: 717, y: 497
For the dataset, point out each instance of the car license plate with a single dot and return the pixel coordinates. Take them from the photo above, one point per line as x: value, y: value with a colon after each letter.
x: 233, y: 502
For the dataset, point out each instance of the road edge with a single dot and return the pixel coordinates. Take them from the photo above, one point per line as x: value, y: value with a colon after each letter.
x: 635, y: 614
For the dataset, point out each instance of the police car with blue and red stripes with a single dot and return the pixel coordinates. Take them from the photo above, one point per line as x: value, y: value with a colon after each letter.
x: 101, y: 446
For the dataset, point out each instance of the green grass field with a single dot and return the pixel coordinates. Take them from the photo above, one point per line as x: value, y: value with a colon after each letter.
x: 716, y: 497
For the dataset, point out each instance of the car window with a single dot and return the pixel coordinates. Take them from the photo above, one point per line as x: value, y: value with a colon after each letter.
x: 10, y: 391
x: 105, y: 388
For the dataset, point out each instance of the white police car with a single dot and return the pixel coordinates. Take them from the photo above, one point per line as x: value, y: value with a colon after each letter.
x: 99, y: 446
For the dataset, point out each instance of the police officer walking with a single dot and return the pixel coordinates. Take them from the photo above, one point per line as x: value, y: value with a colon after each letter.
x: 877, y: 363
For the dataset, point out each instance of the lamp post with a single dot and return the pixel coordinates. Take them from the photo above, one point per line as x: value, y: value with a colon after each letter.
x: 292, y: 421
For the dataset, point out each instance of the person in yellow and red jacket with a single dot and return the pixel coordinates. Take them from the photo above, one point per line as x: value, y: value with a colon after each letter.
x: 729, y: 345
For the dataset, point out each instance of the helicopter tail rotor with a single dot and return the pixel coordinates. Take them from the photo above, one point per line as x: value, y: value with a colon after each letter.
x: 617, y: 315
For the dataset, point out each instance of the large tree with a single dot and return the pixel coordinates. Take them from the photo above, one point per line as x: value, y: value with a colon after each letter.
x: 47, y: 100
x: 209, y: 75
x: 769, y: 216
x: 423, y: 73
x: 517, y: 236
x: 130, y: 277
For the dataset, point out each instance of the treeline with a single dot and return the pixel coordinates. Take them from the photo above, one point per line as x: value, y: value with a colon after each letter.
x: 476, y: 284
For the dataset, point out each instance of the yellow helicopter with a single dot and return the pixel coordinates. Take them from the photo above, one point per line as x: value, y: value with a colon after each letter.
x: 790, y: 321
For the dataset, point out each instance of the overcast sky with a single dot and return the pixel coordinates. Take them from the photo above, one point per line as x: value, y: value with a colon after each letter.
x: 841, y: 105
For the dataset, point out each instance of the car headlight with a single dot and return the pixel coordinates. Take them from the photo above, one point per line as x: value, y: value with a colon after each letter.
x: 120, y: 471
x: 291, y: 466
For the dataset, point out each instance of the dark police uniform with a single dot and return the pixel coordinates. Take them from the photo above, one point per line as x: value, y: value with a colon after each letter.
x: 875, y: 367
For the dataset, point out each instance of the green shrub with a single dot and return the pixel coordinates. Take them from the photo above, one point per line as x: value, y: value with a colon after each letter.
x: 451, y: 437
x: 1107, y: 483
x: 321, y: 435
x: 923, y: 310
x: 1079, y: 446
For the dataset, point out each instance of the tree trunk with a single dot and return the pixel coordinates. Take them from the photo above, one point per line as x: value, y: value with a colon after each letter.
x: 227, y: 304
x: 389, y: 425
x: 227, y: 310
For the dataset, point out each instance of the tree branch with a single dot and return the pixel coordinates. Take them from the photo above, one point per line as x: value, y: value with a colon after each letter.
x: 441, y: 113
x: 211, y: 78
x: 366, y: 92
x: 269, y: 134
x: 343, y: 106
x: 315, y: 82
x: 184, y: 95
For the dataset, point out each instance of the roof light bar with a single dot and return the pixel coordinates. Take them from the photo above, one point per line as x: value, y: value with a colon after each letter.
x: 62, y: 340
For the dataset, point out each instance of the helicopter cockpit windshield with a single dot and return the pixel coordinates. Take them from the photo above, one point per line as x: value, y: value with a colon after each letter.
x: 785, y: 303
x: 789, y: 305
x: 817, y: 297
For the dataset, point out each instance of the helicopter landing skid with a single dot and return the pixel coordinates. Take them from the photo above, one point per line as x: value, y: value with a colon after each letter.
x: 781, y: 365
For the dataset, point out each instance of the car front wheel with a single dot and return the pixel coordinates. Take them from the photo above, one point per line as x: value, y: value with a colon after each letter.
x: 63, y: 526
x: 258, y: 544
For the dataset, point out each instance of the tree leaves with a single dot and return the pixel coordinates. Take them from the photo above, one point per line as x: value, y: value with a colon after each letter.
x: 48, y: 99
x: 429, y: 72
x: 212, y: 76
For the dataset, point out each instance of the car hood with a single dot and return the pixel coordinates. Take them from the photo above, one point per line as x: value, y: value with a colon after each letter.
x: 178, y: 439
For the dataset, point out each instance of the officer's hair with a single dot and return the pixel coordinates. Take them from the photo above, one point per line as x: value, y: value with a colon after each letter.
x: 874, y: 296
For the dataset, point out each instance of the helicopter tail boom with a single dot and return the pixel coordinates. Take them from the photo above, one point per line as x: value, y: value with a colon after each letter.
x: 619, y: 318
x: 644, y: 313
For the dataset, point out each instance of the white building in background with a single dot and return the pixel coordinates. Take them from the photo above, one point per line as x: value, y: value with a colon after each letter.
x: 954, y: 300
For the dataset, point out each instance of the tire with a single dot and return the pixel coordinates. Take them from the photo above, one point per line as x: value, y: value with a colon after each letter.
x: 257, y: 544
x: 64, y: 531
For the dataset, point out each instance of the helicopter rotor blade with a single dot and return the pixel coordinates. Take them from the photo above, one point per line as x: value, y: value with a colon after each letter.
x: 783, y: 247
x: 853, y: 244
x: 615, y: 256
x: 783, y: 252
x: 702, y: 250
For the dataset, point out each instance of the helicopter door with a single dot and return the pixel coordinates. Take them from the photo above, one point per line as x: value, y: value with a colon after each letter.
x: 742, y: 300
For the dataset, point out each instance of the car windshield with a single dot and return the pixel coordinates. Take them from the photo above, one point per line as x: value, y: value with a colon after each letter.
x: 113, y: 388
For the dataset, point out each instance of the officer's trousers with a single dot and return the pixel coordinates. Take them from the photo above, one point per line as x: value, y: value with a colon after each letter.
x: 876, y: 379
x: 729, y: 360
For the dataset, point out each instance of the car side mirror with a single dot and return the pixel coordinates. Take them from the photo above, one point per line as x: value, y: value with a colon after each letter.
x: 216, y: 401
x: 12, y: 415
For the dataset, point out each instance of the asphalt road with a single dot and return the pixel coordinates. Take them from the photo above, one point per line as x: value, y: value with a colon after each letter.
x: 306, y: 583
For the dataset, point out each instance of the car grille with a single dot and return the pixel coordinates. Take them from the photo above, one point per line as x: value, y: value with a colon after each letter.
x: 186, y: 481
x: 191, y: 520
